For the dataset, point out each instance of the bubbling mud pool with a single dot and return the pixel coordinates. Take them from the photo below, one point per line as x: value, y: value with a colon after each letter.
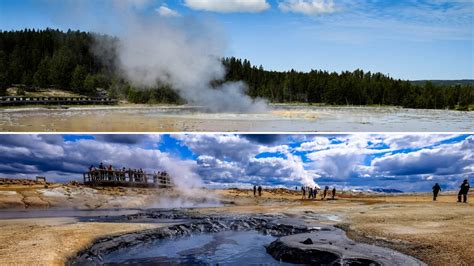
x: 236, y: 240
x: 229, y: 247
x: 287, y: 118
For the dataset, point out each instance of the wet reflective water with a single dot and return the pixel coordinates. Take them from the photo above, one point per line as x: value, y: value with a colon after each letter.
x: 227, y: 248
x: 281, y: 118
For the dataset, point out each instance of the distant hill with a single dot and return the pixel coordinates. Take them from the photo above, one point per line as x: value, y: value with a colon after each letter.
x: 386, y: 190
x: 462, y: 82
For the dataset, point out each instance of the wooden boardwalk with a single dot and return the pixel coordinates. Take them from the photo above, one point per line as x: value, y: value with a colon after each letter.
x: 126, y: 178
x: 24, y: 100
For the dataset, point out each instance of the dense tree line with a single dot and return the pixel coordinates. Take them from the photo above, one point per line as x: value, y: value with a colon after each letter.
x: 346, y: 88
x: 51, y: 58
x: 66, y: 60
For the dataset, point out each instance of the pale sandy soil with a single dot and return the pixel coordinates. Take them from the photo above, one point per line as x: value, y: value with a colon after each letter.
x: 77, y: 197
x: 50, y: 241
x: 439, y: 233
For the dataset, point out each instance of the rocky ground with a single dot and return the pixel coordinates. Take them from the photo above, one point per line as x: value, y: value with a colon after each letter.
x: 438, y: 233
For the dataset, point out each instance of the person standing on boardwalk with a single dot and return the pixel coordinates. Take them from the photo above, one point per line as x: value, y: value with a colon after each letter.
x: 303, y: 190
x: 254, y: 191
x: 259, y: 191
x: 463, y: 191
x: 333, y: 192
x: 436, y: 190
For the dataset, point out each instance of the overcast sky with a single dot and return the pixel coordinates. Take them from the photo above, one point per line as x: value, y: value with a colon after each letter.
x: 408, y: 39
x: 394, y: 161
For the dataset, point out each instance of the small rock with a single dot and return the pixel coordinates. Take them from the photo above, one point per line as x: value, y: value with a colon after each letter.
x: 308, y: 241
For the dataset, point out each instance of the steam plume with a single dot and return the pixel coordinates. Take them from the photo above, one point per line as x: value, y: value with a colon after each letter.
x: 298, y: 171
x: 187, y: 184
x: 185, y: 54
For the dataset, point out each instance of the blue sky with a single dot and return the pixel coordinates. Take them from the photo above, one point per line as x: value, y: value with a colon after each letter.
x: 360, y: 161
x: 408, y: 39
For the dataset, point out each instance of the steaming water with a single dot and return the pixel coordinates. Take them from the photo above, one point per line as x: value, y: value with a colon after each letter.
x: 281, y: 119
x: 228, y: 248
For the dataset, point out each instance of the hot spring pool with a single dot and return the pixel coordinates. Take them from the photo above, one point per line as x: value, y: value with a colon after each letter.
x: 229, y: 248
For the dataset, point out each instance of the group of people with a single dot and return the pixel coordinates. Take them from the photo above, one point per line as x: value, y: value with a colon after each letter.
x: 313, y: 192
x: 462, y: 195
x: 109, y: 173
x: 257, y: 189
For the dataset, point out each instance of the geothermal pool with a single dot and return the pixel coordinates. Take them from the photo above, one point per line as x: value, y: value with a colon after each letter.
x: 228, y: 248
x: 281, y: 118
x: 236, y: 240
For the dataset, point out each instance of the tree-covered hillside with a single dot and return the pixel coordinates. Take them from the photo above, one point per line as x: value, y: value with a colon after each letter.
x: 51, y: 58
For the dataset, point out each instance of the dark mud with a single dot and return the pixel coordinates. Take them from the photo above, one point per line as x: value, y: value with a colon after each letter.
x: 297, y: 243
x: 330, y: 246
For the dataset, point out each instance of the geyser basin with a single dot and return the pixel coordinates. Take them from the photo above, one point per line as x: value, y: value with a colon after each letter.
x: 281, y: 118
x: 228, y: 247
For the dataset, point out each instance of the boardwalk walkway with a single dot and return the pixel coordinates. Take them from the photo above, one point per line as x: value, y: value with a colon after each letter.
x: 24, y: 100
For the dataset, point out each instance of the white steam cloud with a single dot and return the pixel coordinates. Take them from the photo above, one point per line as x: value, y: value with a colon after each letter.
x: 187, y: 184
x: 165, y: 48
x: 299, y: 172
x: 185, y: 54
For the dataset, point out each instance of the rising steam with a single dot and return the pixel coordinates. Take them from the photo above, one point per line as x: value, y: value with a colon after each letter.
x: 187, y: 184
x: 186, y: 55
x: 299, y: 173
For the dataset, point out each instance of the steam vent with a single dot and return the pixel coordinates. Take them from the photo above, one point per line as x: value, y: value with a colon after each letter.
x: 126, y: 178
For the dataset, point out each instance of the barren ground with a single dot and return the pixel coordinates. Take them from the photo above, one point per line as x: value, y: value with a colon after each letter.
x: 439, y: 233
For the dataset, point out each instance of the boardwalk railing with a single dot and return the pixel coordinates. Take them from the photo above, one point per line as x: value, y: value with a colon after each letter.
x: 126, y: 178
x: 24, y: 100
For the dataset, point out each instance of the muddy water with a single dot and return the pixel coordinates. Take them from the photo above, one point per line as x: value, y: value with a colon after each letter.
x: 227, y: 248
x: 279, y: 119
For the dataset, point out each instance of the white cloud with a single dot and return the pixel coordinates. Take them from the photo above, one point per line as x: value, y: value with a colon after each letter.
x: 274, y: 149
x: 414, y: 141
x: 228, y: 6
x: 308, y: 7
x: 165, y: 11
x: 447, y: 159
x: 359, y: 160
x: 223, y: 147
x: 317, y: 143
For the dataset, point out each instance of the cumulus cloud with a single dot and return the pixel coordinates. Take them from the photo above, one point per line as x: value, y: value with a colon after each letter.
x: 228, y: 6
x: 415, y: 141
x: 308, y: 7
x: 317, y: 143
x: 223, y: 147
x: 443, y: 160
x: 165, y: 11
x: 232, y: 158
x: 361, y: 161
x: 66, y: 160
